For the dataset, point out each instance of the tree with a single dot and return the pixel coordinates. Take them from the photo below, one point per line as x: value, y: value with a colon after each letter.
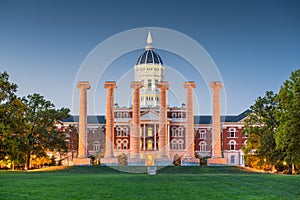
x: 261, y: 126
x: 42, y: 134
x: 288, y: 114
x: 11, y: 122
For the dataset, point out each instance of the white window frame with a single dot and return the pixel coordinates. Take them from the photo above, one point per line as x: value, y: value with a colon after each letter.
x: 174, y: 132
x: 232, y: 130
x: 180, y: 132
x: 180, y: 144
x: 232, y: 143
x: 202, y: 134
x: 96, y: 146
x: 174, y: 115
x: 203, y: 146
x: 174, y: 144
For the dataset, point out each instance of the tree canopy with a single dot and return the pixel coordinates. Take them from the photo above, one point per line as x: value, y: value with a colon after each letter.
x: 273, y: 126
x: 28, y: 125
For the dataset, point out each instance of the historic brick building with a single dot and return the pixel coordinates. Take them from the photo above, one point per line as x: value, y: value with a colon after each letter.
x: 149, y: 129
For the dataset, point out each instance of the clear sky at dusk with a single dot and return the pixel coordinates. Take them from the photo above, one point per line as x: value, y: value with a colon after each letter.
x: 255, y: 44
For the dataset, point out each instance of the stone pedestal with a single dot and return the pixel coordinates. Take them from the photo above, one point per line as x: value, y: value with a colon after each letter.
x: 109, y: 162
x: 136, y: 162
x: 82, y: 161
x: 163, y: 162
x: 216, y: 162
x: 190, y: 162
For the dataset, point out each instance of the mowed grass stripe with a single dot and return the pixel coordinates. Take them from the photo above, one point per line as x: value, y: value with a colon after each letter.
x: 169, y: 183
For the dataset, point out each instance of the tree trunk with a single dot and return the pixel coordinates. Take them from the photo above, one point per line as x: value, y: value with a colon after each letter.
x: 28, y: 161
x: 293, y: 168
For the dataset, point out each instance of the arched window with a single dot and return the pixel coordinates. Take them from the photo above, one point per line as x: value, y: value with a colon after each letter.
x: 203, y: 146
x: 125, y: 115
x: 180, y: 144
x: 149, y: 145
x: 125, y: 132
x: 96, y: 146
x: 202, y: 134
x: 150, y: 132
x: 174, y: 144
x: 174, y: 132
x: 119, y: 133
x: 232, y: 144
x: 125, y: 142
x: 119, y: 144
x: 180, y: 132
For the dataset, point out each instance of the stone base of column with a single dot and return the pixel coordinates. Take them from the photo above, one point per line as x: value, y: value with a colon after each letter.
x: 82, y: 161
x: 165, y: 161
x: 136, y: 162
x: 216, y: 162
x: 109, y: 162
x: 190, y: 162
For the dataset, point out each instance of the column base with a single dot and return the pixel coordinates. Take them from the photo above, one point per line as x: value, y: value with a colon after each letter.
x: 136, y: 162
x: 109, y: 162
x: 216, y: 162
x: 163, y: 162
x: 190, y: 162
x: 82, y: 161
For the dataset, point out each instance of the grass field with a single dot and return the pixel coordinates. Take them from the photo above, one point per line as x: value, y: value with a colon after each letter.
x: 169, y: 183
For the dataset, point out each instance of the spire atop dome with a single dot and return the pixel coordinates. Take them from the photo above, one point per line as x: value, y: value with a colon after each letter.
x: 149, y: 42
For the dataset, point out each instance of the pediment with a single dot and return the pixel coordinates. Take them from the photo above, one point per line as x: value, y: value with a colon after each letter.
x: 150, y: 115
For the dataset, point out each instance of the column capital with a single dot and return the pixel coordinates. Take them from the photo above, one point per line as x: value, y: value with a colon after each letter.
x: 216, y: 85
x: 110, y: 85
x: 83, y: 85
x: 189, y: 84
x: 136, y: 85
x: 163, y: 85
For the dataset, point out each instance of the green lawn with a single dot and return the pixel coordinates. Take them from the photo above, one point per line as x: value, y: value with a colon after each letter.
x: 169, y: 183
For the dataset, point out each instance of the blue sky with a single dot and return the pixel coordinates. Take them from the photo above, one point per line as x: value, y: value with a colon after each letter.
x: 255, y: 44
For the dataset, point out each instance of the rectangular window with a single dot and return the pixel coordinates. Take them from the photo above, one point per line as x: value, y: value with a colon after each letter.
x: 232, y: 160
x: 180, y: 115
x: 149, y: 84
x: 173, y: 115
x: 232, y: 132
x: 202, y: 134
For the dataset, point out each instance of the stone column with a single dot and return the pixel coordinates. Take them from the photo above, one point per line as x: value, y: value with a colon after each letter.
x: 189, y: 130
x: 136, y: 101
x: 144, y: 137
x: 83, y: 86
x: 163, y: 120
x: 155, y: 137
x: 216, y: 132
x: 109, y: 86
